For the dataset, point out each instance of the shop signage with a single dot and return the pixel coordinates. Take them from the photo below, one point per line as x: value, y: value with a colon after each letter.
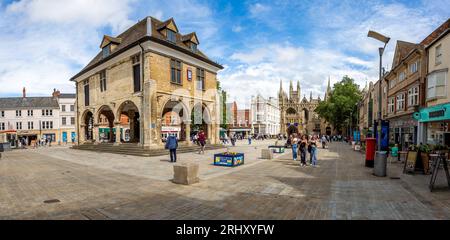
x: 189, y: 75
x: 435, y: 114
x: 170, y: 129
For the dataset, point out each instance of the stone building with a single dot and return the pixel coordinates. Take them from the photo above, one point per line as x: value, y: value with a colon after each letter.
x: 297, y: 115
x: 67, y: 116
x: 148, y: 73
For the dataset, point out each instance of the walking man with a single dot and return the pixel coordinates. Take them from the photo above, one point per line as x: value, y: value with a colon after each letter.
x: 172, y: 145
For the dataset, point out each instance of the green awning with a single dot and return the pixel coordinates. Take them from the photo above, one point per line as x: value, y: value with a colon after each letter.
x: 435, y: 113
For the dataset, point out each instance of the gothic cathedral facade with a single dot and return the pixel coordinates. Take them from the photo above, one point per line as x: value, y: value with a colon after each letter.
x: 298, y: 116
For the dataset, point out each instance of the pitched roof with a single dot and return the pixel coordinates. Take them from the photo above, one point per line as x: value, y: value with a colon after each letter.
x: 67, y: 95
x: 108, y: 39
x: 188, y: 37
x: 28, y: 102
x: 436, y: 33
x: 401, y: 51
x: 147, y: 29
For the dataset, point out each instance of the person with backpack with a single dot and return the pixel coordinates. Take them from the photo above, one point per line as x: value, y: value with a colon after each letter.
x: 172, y: 145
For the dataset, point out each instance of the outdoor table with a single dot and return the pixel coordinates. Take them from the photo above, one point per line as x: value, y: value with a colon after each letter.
x: 228, y: 160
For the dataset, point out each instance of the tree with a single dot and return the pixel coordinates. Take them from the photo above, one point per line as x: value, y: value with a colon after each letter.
x: 223, y: 106
x: 341, y: 103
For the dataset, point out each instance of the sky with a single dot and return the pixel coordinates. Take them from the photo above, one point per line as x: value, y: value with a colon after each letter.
x: 43, y: 43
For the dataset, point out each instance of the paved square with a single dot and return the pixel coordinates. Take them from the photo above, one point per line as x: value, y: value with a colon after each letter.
x: 92, y: 185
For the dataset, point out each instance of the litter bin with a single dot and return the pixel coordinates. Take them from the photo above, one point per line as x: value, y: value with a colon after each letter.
x: 370, y: 152
x: 380, y: 164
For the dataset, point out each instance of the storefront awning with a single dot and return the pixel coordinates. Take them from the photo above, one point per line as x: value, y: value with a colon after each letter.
x: 435, y: 113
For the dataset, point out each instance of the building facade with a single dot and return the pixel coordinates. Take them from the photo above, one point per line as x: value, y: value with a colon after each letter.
x: 28, y: 119
x: 149, y: 73
x: 298, y: 116
x: 434, y: 117
x: 265, y: 115
x: 241, y: 121
x: 405, y: 92
x: 67, y: 110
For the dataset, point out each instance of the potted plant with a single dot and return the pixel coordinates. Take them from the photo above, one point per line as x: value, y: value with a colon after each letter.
x: 425, y: 151
x: 440, y: 149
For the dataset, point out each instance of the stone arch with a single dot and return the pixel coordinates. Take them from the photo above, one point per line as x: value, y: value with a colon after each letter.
x: 127, y: 121
x: 201, y: 119
x: 174, y: 118
x: 104, y: 119
x: 291, y: 111
x: 87, y: 125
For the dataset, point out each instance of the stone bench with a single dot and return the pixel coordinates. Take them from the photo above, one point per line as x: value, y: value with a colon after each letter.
x: 266, y: 154
x: 185, y: 173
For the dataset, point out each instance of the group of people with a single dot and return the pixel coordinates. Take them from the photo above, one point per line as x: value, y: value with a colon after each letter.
x: 306, y: 144
x: 172, y: 144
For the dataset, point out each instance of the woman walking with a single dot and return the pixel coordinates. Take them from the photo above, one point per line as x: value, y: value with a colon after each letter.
x: 202, y: 141
x: 313, y: 155
x: 302, y: 147
x: 294, y: 148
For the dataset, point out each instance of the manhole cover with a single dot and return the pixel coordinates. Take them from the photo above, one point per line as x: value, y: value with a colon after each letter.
x: 52, y: 201
x: 395, y: 178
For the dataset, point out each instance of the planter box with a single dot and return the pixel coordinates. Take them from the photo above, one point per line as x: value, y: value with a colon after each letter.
x: 277, y: 149
x: 228, y: 160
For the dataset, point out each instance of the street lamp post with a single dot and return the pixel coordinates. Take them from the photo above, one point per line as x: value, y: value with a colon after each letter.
x: 380, y: 156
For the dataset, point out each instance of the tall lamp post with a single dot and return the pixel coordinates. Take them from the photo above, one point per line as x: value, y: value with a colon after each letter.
x: 380, y: 156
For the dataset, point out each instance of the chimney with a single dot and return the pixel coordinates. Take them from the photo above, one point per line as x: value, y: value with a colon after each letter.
x: 24, y: 93
x: 56, y: 93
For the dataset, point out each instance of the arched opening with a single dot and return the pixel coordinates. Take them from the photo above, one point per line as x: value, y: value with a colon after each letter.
x: 200, y: 119
x: 328, y: 130
x: 173, y: 120
x: 88, y: 126
x: 106, y: 129
x: 292, y: 129
x: 129, y: 118
x: 291, y: 111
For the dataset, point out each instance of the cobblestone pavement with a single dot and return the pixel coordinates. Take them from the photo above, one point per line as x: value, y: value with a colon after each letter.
x: 107, y: 186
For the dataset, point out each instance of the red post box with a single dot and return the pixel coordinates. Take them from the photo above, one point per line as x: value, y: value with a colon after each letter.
x: 370, y: 151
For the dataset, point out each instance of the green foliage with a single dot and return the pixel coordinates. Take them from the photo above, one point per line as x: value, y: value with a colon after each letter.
x: 439, y: 147
x: 223, y: 105
x: 425, y: 148
x: 341, y: 103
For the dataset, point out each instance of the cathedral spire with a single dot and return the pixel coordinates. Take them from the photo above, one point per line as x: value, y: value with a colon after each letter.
x: 291, y: 90
x: 310, y: 97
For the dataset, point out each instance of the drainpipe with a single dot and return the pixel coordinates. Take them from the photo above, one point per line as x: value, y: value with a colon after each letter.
x: 141, y: 115
x: 78, y: 114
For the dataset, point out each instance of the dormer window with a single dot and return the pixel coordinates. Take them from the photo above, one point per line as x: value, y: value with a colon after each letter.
x: 194, y: 47
x: 106, y: 51
x: 171, y: 36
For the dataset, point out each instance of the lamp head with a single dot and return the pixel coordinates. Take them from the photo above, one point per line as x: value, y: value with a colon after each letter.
x: 378, y: 36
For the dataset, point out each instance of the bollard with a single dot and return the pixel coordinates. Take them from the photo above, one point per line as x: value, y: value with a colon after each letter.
x: 380, y: 164
x: 186, y: 173
x: 266, y: 154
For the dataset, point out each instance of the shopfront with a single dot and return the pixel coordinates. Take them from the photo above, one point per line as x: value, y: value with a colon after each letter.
x: 433, y: 124
x: 170, y: 130
x: 403, y: 131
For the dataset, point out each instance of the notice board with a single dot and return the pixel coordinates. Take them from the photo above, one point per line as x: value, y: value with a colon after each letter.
x: 410, y: 163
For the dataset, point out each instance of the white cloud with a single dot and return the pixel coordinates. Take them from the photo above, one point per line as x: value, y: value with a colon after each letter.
x: 237, y: 28
x: 258, y: 8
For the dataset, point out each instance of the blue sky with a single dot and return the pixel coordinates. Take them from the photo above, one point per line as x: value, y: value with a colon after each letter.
x: 45, y: 42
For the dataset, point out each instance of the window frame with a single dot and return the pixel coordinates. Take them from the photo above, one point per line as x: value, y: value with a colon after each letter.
x: 400, y: 102
x: 413, y: 96
x: 200, y: 73
x: 391, y: 105
x: 438, y: 55
x: 432, y: 78
x: 171, y: 34
x: 102, y: 75
x: 176, y: 69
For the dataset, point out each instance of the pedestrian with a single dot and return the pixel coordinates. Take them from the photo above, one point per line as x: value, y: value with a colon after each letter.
x: 202, y: 141
x: 172, y: 145
x: 302, y: 147
x: 233, y: 140
x: 294, y: 148
x: 249, y: 140
x: 324, y: 141
x: 313, y: 154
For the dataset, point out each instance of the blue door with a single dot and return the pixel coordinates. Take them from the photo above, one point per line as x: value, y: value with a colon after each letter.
x: 64, y: 136
x: 73, y: 135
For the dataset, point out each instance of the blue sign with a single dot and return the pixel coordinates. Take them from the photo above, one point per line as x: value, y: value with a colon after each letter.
x: 356, y: 136
x: 384, y: 134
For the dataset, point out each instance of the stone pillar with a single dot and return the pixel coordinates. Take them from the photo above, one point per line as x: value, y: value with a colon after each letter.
x: 95, y: 134
x: 148, y: 123
x: 131, y: 116
x: 188, y: 132
x: 117, y: 140
x: 82, y: 132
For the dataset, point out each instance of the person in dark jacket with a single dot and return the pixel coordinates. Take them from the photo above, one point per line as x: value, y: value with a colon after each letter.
x: 172, y: 145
